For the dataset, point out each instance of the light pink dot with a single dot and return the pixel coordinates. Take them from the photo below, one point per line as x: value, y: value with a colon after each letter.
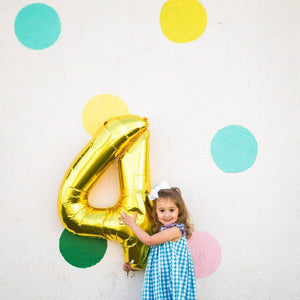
x: 206, y: 253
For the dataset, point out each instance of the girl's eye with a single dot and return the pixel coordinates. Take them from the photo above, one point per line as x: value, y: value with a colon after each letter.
x: 171, y: 210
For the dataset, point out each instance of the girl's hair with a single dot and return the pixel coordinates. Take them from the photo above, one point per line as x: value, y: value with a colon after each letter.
x: 174, y: 194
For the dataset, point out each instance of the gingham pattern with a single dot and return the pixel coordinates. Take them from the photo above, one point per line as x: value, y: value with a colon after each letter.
x: 170, y: 271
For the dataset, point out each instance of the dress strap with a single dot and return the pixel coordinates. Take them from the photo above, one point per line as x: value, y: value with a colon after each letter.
x: 180, y: 226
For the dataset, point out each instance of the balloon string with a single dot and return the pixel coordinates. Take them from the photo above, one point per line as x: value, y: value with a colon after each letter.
x: 130, y: 273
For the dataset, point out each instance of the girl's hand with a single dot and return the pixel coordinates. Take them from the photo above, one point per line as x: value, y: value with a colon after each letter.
x: 127, y: 219
x: 127, y: 267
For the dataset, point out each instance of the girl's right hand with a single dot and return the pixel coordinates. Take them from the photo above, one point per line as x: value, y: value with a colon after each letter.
x: 127, y: 219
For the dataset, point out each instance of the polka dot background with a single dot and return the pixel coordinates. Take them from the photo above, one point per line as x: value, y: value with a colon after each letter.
x: 37, y: 26
x: 183, y: 21
x: 193, y: 68
x: 206, y: 253
x: 81, y: 252
x: 234, y: 149
x: 101, y: 108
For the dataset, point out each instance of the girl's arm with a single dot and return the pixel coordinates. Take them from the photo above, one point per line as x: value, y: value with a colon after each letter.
x: 170, y: 234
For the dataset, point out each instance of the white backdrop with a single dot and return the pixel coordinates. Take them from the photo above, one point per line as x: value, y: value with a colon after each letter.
x: 243, y: 70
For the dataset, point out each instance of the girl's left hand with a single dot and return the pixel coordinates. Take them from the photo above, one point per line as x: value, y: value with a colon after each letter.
x: 127, y: 267
x: 127, y: 219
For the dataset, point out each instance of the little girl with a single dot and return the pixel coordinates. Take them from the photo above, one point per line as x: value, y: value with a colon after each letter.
x: 170, y: 271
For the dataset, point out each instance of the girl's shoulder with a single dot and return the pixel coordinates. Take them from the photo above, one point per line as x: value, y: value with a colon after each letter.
x: 180, y: 226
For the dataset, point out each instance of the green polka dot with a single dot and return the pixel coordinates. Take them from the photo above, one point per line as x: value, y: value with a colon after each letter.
x: 37, y: 26
x: 79, y: 251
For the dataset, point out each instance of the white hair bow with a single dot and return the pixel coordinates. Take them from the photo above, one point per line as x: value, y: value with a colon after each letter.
x: 154, y: 192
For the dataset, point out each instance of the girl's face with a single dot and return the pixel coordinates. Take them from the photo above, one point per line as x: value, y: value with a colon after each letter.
x: 167, y: 211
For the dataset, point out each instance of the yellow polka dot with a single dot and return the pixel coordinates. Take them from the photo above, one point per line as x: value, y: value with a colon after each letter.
x: 183, y: 21
x: 101, y: 108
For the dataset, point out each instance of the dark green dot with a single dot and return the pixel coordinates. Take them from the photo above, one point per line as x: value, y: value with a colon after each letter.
x: 81, y: 252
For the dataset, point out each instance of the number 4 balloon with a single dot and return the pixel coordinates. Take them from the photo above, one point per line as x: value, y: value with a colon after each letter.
x: 126, y: 139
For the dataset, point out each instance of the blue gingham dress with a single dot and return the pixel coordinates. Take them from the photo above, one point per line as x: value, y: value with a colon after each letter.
x: 170, y: 271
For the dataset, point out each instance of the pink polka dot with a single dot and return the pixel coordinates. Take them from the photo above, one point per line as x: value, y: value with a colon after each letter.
x: 206, y: 253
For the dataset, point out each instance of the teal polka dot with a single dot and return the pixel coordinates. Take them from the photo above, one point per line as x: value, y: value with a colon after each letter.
x: 37, y: 26
x: 81, y: 252
x: 234, y: 149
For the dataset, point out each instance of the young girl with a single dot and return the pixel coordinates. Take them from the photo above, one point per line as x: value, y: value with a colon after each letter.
x: 170, y: 271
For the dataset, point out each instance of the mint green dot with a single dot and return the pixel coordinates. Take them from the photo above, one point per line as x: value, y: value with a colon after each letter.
x: 234, y: 149
x: 37, y: 26
x: 81, y: 252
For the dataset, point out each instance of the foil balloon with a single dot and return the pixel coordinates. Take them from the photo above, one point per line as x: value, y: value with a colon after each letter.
x: 126, y: 139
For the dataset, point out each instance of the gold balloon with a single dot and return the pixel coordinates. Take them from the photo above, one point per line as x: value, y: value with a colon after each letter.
x: 124, y: 138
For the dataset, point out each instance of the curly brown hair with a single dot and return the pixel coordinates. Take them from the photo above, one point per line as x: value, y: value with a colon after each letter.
x: 174, y: 194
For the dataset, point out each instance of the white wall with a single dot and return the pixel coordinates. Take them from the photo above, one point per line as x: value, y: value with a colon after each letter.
x: 243, y: 70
